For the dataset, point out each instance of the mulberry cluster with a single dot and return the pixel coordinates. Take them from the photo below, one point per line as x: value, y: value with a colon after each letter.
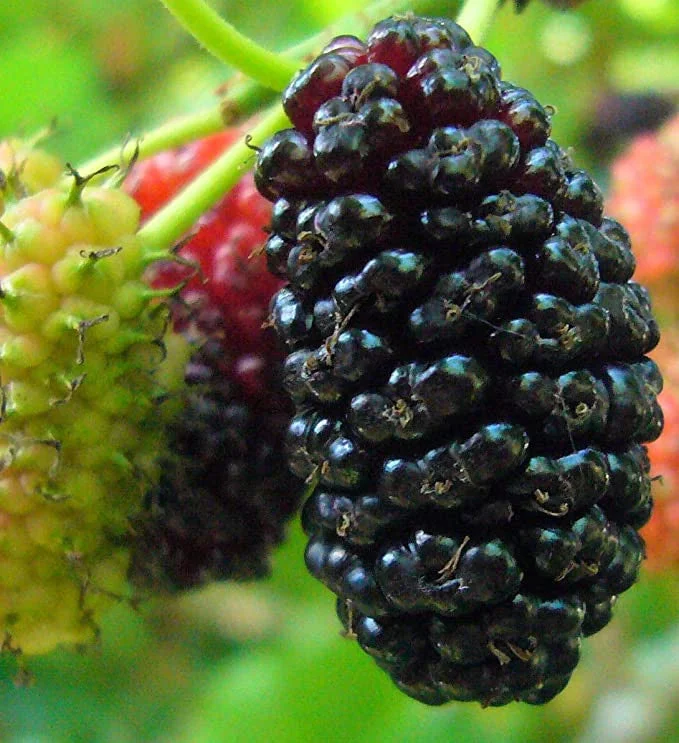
x: 225, y: 494
x: 467, y: 357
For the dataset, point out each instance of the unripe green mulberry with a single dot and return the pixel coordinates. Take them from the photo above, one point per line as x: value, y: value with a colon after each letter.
x: 25, y: 169
x: 85, y: 363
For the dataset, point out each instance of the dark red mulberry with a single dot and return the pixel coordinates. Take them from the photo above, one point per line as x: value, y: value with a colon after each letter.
x: 225, y: 494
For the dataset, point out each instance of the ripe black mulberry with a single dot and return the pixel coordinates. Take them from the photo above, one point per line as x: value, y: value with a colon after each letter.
x: 467, y: 357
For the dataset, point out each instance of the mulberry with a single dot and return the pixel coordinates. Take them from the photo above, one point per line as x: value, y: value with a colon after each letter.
x: 644, y: 194
x: 467, y: 357
x: 225, y: 494
x: 661, y: 533
x: 86, y: 361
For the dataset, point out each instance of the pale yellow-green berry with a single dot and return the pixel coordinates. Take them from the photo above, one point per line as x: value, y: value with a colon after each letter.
x: 26, y: 168
x: 88, y: 374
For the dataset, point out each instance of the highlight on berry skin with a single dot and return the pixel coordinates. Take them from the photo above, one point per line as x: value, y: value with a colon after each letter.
x: 467, y: 355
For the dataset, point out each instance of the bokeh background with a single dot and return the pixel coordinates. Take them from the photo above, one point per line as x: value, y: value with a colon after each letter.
x: 265, y: 662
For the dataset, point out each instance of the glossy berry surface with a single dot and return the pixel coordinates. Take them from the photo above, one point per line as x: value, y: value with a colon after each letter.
x: 225, y: 494
x: 467, y: 354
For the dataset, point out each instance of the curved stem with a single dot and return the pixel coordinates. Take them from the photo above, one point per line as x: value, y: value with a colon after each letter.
x: 241, y: 100
x: 230, y: 46
x: 168, y: 225
x: 172, y: 133
x: 475, y: 17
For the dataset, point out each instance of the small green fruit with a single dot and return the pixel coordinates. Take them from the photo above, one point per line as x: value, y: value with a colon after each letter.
x: 85, y: 363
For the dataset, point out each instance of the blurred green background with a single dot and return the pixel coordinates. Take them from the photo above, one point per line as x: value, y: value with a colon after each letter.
x: 265, y: 662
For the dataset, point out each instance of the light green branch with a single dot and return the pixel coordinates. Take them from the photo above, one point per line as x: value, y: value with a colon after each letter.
x: 168, y: 225
x: 230, y: 46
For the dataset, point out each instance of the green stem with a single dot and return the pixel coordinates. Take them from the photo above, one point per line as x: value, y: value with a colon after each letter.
x: 476, y: 16
x: 168, y: 225
x: 242, y: 99
x: 230, y: 46
x: 171, y: 134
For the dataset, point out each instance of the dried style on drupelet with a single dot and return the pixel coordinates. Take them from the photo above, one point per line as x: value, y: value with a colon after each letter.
x: 466, y: 352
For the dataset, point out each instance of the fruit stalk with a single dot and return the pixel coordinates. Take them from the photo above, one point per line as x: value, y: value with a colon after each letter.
x: 220, y: 38
x: 273, y: 70
x: 171, y: 222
